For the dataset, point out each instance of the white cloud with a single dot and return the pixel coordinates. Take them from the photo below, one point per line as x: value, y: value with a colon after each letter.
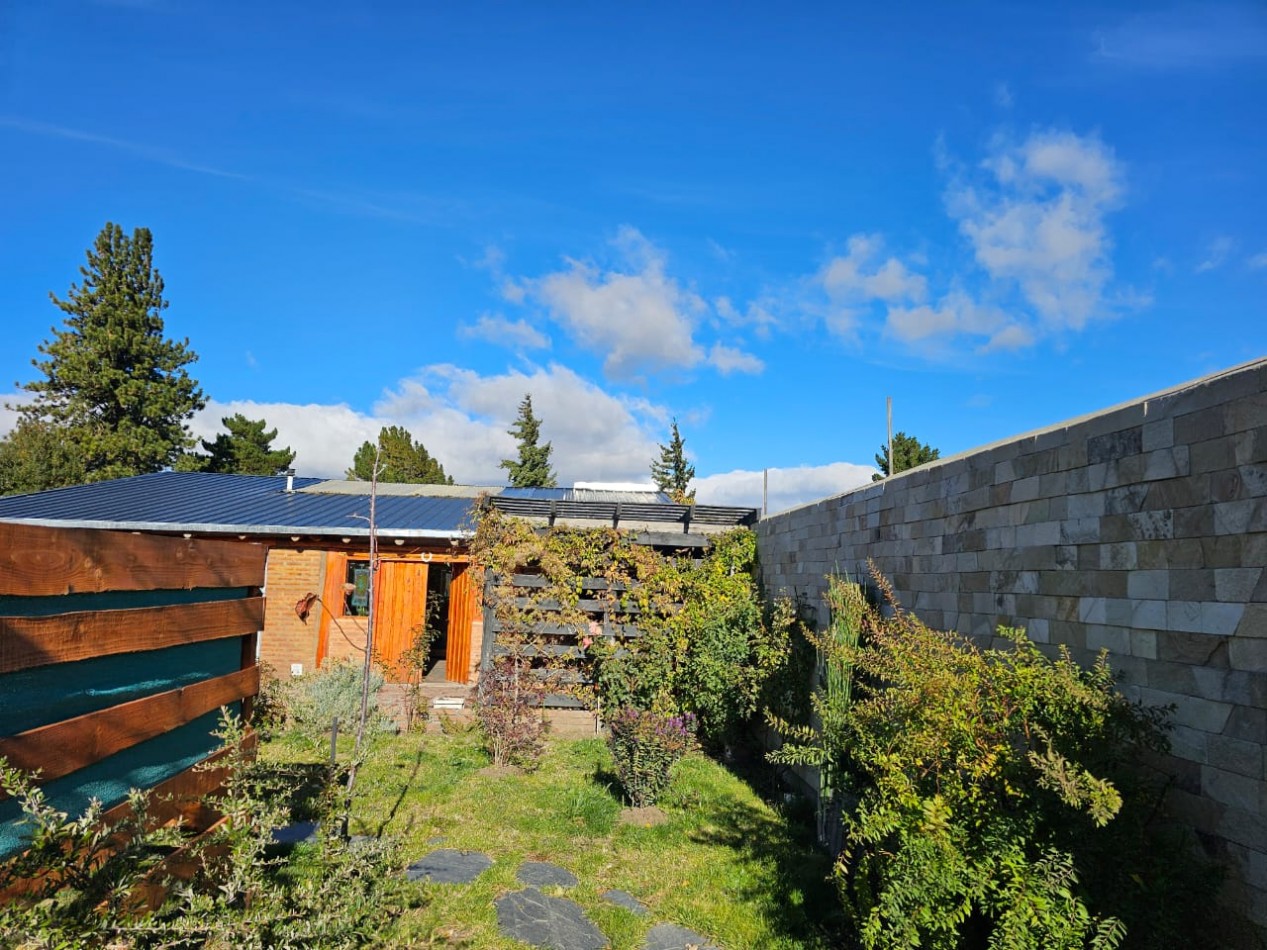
x: 789, y: 487
x: 1216, y: 254
x: 496, y: 329
x: 1037, y: 222
x: 641, y: 318
x: 856, y: 275
x: 956, y: 315
x: 1258, y: 261
x: 727, y: 360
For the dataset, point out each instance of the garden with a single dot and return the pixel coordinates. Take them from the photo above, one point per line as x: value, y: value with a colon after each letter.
x: 974, y: 797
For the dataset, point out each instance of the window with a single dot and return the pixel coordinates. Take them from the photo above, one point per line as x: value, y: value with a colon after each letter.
x: 356, y: 589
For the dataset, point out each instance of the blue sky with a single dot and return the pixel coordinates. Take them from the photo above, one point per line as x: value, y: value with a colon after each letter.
x: 759, y: 219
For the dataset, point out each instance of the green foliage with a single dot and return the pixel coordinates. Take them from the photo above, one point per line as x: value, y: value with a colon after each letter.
x: 704, y: 645
x: 671, y: 472
x: 239, y: 891
x: 113, y: 384
x: 400, y: 458
x: 334, y: 690
x: 532, y: 468
x: 645, y: 746
x: 244, y: 449
x: 37, y: 455
x: 1000, y: 797
x: 908, y: 452
x: 508, y: 709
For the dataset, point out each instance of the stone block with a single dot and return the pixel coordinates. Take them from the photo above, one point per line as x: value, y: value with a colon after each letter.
x: 1103, y: 637
x: 1224, y: 551
x: 1198, y: 426
x: 1144, y: 644
x: 1238, y: 517
x: 1197, y: 648
x: 1251, y: 446
x: 1115, y: 445
x: 1173, y: 678
x: 1152, y: 525
x: 1196, y: 522
x: 1247, y: 722
x: 1177, y: 492
x: 1235, y: 755
x: 1166, y: 463
x: 1086, y: 506
x: 1119, y: 556
x: 1244, y: 415
x: 1195, y: 584
x: 1025, y: 489
x: 1236, y: 583
x: 1253, y: 623
x: 1211, y: 455
x: 1080, y: 531
x: 1053, y: 484
x: 1158, y: 435
x: 1247, y: 654
x: 1148, y: 585
x: 1238, y: 791
x: 1046, y: 532
x: 1188, y: 743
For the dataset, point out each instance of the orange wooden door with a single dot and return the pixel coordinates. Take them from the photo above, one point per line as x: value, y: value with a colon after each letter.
x: 400, y: 608
x: 463, y: 610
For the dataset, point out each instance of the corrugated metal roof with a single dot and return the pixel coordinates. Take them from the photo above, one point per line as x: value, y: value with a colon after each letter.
x: 203, y: 503
x: 234, y: 504
x: 335, y: 486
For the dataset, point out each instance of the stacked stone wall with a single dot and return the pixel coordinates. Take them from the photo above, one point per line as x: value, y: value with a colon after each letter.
x: 1140, y: 530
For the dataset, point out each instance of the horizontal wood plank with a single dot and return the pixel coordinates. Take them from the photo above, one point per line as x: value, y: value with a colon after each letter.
x: 26, y: 642
x: 68, y: 746
x: 40, y: 561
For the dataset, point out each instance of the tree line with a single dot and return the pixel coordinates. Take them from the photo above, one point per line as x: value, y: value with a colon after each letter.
x: 115, y: 396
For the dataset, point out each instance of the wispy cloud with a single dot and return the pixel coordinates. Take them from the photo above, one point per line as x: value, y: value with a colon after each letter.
x: 1004, y: 97
x: 401, y: 208
x: 1257, y: 262
x: 1216, y: 254
x: 496, y: 329
x: 1207, y: 35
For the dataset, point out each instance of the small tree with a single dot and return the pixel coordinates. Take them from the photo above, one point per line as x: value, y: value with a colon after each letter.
x: 671, y: 472
x: 532, y: 468
x: 113, y: 384
x: 245, y: 449
x: 908, y: 452
x: 37, y: 455
x: 401, y: 459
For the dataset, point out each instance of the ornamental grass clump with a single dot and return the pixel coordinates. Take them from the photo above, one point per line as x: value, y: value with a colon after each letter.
x: 645, y: 746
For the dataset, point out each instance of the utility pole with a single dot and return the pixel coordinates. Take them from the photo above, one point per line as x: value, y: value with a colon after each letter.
x: 765, y: 492
x: 888, y: 400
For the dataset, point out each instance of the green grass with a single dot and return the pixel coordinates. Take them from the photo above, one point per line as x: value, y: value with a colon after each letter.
x: 725, y: 863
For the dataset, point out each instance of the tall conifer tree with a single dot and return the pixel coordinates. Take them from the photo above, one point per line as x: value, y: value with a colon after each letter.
x: 671, y: 472
x: 401, y: 459
x: 532, y: 468
x: 113, y: 383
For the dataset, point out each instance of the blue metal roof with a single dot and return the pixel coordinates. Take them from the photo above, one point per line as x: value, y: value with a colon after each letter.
x: 235, y: 504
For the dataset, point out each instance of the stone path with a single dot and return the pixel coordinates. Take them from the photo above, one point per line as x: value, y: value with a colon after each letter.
x: 539, y: 920
x: 447, y: 866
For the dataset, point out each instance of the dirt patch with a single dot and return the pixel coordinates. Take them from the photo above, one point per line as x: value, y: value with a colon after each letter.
x: 645, y: 817
x: 500, y: 771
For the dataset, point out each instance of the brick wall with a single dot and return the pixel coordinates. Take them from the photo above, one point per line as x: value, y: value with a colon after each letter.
x: 1142, y: 530
x: 287, y: 639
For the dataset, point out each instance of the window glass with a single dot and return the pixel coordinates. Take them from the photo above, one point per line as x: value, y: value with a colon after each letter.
x: 356, y: 589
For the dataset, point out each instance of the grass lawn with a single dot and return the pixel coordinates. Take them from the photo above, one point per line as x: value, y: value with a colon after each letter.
x: 725, y: 863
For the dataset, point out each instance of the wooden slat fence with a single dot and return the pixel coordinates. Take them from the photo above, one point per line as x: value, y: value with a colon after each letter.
x: 116, y: 652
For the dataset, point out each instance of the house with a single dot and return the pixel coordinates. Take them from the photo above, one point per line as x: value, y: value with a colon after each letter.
x: 317, y: 532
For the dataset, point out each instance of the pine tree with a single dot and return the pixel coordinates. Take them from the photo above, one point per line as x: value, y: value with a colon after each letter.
x: 245, y: 449
x: 671, y: 472
x: 401, y: 460
x: 532, y: 468
x: 113, y: 384
x: 908, y: 452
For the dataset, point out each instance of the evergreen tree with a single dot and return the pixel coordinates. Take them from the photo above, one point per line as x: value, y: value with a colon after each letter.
x: 37, y: 455
x: 113, y: 384
x: 245, y: 449
x: 671, y: 472
x: 908, y: 452
x: 532, y: 468
x: 402, y: 460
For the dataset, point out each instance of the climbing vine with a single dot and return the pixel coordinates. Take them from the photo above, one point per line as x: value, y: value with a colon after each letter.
x: 619, y: 624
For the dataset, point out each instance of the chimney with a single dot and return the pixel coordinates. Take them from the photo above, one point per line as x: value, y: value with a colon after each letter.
x: 290, y: 480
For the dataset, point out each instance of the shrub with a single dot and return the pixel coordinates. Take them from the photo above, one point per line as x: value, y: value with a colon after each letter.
x: 1000, y: 795
x: 334, y: 690
x: 508, y: 709
x: 645, y: 746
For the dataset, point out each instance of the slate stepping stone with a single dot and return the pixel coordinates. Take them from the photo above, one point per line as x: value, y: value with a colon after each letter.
x: 626, y: 900
x: 673, y: 937
x: 544, y: 874
x: 301, y: 832
x: 447, y: 866
x: 553, y: 922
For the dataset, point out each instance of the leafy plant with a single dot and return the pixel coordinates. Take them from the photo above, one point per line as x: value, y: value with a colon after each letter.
x: 1000, y: 795
x: 334, y: 690
x: 508, y: 709
x: 645, y: 746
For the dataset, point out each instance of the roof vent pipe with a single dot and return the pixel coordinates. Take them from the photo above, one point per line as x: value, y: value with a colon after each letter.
x: 290, y: 480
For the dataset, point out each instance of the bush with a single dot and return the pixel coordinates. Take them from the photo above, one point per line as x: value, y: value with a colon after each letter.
x: 334, y: 690
x: 508, y: 709
x: 645, y: 746
x: 1001, y: 796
